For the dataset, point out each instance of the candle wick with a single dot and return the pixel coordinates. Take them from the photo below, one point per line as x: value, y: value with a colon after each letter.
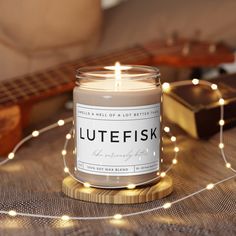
x: 117, y: 71
x: 117, y: 85
x: 117, y: 75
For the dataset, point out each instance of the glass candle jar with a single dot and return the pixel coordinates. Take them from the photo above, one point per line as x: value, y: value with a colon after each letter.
x: 117, y: 114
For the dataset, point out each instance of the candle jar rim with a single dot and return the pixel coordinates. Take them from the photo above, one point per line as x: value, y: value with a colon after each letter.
x: 134, y: 72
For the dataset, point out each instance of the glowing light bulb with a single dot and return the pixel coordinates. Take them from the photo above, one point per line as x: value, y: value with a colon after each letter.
x: 61, y: 122
x: 35, y: 133
x: 87, y: 185
x: 176, y: 149
x: 163, y: 174
x: 11, y: 155
x: 210, y: 186
x: 65, y: 217
x: 173, y: 138
x: 221, y: 122
x: 221, y: 101
x: 131, y: 186
x: 195, y: 81
x: 117, y: 216
x: 68, y: 136
x: 167, y: 129
x: 166, y: 87
x: 228, y: 165
x: 12, y: 213
x: 167, y: 205
x: 74, y: 151
x: 214, y: 87
x: 63, y: 152
x: 66, y: 170
x: 221, y: 145
x: 174, y: 161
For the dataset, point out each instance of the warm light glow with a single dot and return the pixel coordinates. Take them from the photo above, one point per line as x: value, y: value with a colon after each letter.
x: 195, y: 81
x: 68, y: 136
x: 131, y: 186
x: 35, y: 133
x: 63, y: 152
x: 214, y: 86
x: 61, y: 122
x: 166, y: 87
x: 117, y: 216
x: 174, y: 161
x: 12, y: 213
x: 210, y: 186
x: 173, y: 138
x: 221, y: 145
x: 163, y: 174
x: 66, y: 170
x: 11, y: 155
x: 122, y: 67
x: 167, y: 205
x: 221, y: 101
x: 221, y: 122
x: 228, y: 165
x: 65, y: 217
x: 87, y: 185
x: 167, y: 129
x: 176, y: 149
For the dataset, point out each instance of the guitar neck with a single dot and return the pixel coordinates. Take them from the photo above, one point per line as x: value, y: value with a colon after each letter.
x: 40, y: 85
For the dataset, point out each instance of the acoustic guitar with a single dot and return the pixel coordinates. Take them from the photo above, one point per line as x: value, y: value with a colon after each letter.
x: 18, y: 95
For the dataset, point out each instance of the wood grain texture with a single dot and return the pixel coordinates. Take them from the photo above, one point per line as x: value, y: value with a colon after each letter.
x: 10, y: 128
x: 76, y: 190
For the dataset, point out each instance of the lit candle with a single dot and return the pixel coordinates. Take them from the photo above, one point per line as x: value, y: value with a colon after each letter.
x: 117, y: 112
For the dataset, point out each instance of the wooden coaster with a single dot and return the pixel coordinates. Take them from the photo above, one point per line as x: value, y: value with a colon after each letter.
x: 74, y: 189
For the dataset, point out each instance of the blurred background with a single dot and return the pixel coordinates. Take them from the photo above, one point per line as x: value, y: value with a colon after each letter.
x: 39, y: 34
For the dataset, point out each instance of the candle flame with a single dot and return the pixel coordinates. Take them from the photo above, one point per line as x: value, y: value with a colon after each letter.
x: 118, y: 65
x: 117, y: 68
x: 117, y: 71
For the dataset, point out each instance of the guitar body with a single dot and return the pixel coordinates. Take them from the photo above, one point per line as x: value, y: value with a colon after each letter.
x: 10, y: 128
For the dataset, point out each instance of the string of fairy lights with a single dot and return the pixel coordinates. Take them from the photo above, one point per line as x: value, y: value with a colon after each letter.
x: 129, y: 186
x: 166, y: 88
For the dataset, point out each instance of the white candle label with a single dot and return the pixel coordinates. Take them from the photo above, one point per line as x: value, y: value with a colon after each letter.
x: 118, y: 141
